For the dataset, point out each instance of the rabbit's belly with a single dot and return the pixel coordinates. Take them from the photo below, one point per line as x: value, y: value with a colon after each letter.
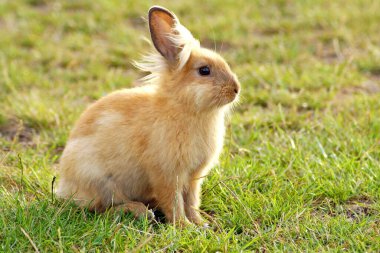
x: 135, y: 185
x: 117, y: 176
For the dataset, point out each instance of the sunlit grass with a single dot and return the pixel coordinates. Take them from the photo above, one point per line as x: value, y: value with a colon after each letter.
x: 300, y: 170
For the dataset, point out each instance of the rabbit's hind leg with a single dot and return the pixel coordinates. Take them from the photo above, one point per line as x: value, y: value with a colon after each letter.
x: 138, y: 209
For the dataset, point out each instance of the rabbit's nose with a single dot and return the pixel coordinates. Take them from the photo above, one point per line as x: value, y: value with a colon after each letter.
x: 236, y: 87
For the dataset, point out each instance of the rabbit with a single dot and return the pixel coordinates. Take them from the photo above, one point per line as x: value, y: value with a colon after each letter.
x: 151, y: 146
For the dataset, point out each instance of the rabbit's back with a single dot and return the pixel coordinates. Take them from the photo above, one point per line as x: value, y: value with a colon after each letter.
x: 105, y: 146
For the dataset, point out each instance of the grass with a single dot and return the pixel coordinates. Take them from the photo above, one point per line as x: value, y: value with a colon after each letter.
x: 301, y: 165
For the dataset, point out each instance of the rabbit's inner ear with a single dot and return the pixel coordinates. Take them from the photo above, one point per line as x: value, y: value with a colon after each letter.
x: 161, y: 25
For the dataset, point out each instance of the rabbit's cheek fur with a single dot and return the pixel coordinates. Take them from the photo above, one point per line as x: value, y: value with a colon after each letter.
x: 203, y: 96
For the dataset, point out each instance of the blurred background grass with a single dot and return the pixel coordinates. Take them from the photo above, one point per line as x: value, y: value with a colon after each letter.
x: 300, y: 169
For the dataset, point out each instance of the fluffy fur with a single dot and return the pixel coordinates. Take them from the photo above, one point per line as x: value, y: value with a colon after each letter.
x: 151, y: 146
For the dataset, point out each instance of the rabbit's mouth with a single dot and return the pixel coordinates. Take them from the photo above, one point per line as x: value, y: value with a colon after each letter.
x: 227, y: 97
x: 233, y: 91
x: 233, y: 97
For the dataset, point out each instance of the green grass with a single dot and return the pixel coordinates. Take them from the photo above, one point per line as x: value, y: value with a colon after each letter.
x: 301, y: 165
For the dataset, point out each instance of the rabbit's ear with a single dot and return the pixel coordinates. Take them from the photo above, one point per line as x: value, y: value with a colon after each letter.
x: 161, y: 26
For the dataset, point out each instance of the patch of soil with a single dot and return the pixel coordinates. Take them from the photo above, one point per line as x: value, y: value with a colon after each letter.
x: 267, y: 32
x: 328, y: 53
x: 353, y: 209
x: 356, y: 207
x: 40, y: 5
x: 375, y: 72
x: 15, y: 130
x: 369, y: 87
x: 2, y: 24
x: 59, y: 149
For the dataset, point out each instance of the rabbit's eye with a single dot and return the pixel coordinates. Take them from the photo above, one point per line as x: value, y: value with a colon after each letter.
x: 204, y: 71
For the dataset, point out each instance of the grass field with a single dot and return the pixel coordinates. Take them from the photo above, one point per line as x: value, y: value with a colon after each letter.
x: 301, y: 166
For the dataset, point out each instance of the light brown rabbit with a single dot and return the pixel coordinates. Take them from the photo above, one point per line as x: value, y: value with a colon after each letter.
x: 151, y: 146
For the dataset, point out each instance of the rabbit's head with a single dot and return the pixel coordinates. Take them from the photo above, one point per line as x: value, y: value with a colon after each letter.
x: 192, y: 75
